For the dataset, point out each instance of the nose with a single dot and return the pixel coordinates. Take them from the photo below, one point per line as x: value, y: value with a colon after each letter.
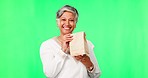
x: 67, y: 22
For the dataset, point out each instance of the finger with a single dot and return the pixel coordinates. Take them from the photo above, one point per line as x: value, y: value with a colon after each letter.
x: 84, y: 55
x: 68, y: 40
x: 77, y: 58
x: 68, y: 35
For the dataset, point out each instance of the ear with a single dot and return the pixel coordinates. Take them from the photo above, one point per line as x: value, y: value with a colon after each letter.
x: 57, y: 22
x: 75, y: 25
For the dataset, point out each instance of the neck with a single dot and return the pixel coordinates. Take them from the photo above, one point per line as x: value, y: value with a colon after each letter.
x: 60, y: 37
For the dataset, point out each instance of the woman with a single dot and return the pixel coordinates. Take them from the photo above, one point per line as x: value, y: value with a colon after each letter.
x: 54, y: 53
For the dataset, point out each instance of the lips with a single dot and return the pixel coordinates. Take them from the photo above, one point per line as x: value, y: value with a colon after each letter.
x: 66, y: 28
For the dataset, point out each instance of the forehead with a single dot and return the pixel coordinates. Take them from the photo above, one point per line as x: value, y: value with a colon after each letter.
x: 67, y: 15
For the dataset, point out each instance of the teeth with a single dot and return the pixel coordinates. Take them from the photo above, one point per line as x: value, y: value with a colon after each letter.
x: 66, y: 28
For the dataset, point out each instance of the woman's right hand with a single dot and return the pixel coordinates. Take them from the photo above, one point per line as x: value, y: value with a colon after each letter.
x: 65, y: 42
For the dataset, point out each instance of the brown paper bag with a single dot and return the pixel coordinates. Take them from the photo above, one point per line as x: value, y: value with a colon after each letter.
x: 78, y: 46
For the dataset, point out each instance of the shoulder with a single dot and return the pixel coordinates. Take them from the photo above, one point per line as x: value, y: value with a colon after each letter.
x: 47, y: 42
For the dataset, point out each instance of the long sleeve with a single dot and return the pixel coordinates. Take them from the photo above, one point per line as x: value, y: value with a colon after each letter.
x: 52, y: 60
x: 96, y: 71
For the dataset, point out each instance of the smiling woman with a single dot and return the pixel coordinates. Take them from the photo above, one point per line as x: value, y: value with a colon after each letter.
x: 55, y: 52
x: 66, y: 19
x: 66, y: 23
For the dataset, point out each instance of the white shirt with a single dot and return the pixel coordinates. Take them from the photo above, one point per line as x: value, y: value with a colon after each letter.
x: 57, y: 64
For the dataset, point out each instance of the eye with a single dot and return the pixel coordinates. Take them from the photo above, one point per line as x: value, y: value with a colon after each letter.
x: 63, y: 19
x: 72, y: 20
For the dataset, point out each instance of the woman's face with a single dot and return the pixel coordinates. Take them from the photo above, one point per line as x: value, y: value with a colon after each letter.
x: 67, y: 23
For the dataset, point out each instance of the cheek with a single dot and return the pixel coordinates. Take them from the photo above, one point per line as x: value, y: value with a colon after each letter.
x: 60, y: 24
x: 72, y: 23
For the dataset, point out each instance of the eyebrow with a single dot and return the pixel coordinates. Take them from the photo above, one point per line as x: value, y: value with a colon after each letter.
x: 65, y: 18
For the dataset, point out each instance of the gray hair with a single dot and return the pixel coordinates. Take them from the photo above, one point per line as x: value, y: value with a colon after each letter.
x: 67, y: 8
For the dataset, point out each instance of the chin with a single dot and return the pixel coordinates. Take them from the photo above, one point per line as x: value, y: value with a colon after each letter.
x: 66, y: 32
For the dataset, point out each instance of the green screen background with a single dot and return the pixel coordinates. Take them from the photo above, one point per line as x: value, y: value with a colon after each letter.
x: 117, y: 28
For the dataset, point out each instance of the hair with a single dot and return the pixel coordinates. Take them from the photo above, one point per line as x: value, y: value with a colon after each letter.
x: 67, y: 8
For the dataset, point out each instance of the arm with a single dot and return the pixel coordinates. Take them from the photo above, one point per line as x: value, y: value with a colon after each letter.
x: 52, y: 61
x: 95, y: 73
x: 90, y: 62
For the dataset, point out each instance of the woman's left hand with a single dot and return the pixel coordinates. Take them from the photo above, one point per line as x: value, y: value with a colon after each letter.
x: 85, y: 60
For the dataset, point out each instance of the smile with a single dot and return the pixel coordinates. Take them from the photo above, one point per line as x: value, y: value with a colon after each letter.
x: 66, y: 28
